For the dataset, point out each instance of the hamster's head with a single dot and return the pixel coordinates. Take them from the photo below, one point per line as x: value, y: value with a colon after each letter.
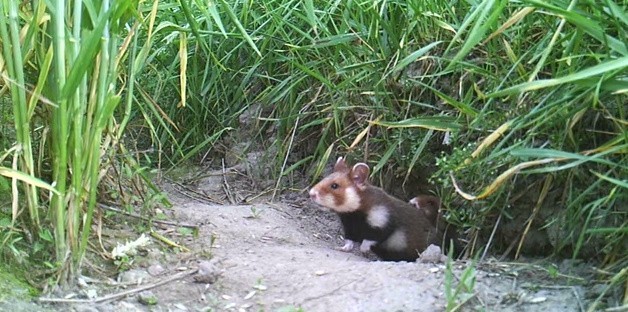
x: 429, y: 204
x: 341, y: 190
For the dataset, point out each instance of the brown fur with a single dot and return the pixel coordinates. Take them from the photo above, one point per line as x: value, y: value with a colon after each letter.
x: 430, y: 205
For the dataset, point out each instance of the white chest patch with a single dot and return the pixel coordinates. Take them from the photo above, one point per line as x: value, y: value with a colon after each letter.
x: 378, y: 216
x: 397, y: 241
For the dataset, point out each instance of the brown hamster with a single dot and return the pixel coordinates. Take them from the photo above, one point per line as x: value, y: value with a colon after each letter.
x: 393, y: 229
x: 430, y: 205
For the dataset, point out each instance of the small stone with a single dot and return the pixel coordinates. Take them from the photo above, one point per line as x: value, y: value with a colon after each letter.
x: 91, y: 293
x: 82, y: 282
x: 155, y: 269
x: 260, y: 287
x: 70, y: 296
x: 135, y: 276
x: 211, y: 183
x: 229, y: 306
x: 179, y: 307
x: 208, y: 272
x: 250, y: 295
x: 537, y: 300
x: 147, y: 298
x: 432, y: 254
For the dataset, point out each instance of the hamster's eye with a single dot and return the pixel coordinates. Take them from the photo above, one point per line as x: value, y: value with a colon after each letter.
x: 334, y: 186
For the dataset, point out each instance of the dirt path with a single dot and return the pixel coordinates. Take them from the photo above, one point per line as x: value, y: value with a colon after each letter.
x: 281, y: 257
x: 297, y: 269
x: 274, y: 257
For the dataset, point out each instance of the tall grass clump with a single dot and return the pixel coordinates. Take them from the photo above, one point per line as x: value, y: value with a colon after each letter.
x: 514, y: 110
x: 317, y: 69
x: 550, y: 126
x: 60, y: 71
x: 192, y: 102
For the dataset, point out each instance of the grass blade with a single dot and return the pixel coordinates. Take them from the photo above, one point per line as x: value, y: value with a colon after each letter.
x: 618, y: 64
x: 31, y: 180
x: 440, y: 123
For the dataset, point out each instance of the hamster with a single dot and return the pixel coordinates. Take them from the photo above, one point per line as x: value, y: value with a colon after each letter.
x: 393, y: 229
x: 431, y: 207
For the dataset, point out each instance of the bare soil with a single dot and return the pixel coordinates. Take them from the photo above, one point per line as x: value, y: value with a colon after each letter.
x: 281, y: 257
x: 250, y: 254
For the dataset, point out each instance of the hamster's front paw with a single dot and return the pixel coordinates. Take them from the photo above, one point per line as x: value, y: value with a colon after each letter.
x: 366, y: 245
x: 348, y: 246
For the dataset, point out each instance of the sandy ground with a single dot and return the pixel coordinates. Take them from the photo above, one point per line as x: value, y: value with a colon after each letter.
x: 276, y: 257
x: 282, y: 257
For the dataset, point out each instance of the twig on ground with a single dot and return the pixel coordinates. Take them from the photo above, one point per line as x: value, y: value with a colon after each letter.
x: 251, y: 198
x: 622, y: 308
x: 167, y: 241
x: 575, y: 294
x: 187, y: 191
x: 174, y: 277
x: 134, y: 215
x: 226, y: 186
x: 490, y: 239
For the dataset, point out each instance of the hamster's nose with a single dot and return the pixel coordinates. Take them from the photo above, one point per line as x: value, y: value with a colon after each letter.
x: 313, y: 194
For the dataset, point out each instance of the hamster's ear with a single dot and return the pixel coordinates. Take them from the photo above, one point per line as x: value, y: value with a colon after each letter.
x: 340, y: 165
x: 360, y: 174
x: 434, y: 201
x: 415, y: 202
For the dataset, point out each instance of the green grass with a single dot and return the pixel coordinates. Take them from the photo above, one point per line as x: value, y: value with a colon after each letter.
x: 459, y: 294
x: 61, y: 72
x: 531, y: 95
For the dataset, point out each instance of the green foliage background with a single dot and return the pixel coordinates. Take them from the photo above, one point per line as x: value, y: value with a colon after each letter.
x: 542, y: 84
